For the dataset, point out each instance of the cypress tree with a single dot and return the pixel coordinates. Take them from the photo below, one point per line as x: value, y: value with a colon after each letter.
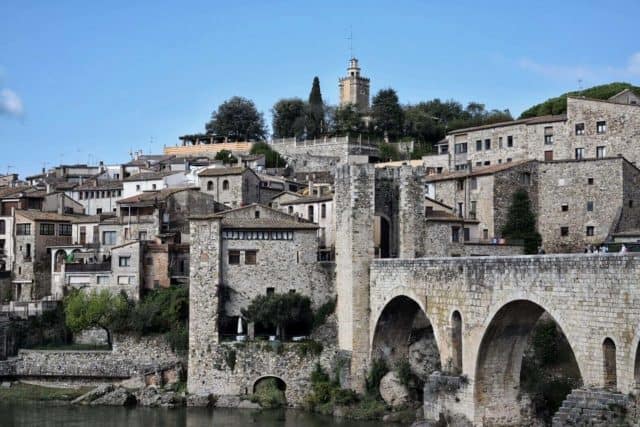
x: 315, y: 113
x: 521, y: 223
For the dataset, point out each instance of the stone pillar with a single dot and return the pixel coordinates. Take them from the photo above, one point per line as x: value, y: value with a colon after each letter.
x: 204, y: 282
x: 355, y: 203
x: 411, y: 219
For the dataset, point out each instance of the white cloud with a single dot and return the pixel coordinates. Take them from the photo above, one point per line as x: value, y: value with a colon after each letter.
x: 574, y: 73
x: 10, y: 103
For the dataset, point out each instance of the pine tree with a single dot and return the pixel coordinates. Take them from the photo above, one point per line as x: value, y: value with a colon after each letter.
x: 521, y: 223
x: 315, y: 111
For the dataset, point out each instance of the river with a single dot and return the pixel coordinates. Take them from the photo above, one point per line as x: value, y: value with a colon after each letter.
x: 40, y: 415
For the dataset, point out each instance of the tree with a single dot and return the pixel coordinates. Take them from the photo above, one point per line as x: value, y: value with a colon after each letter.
x: 237, y: 118
x: 95, y: 310
x: 288, y: 118
x: 347, y: 118
x: 521, y: 223
x: 387, y: 114
x: 225, y: 156
x: 280, y: 311
x: 388, y: 152
x: 315, y: 111
x: 271, y: 157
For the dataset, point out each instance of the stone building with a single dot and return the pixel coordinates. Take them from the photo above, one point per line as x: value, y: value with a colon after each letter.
x: 35, y: 232
x: 354, y: 88
x: 152, y: 181
x: 319, y: 210
x: 234, y: 186
x: 98, y: 198
x: 590, y: 129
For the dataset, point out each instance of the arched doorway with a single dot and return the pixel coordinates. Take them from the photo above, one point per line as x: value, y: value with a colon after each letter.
x: 382, y: 236
x: 270, y: 392
x: 609, y: 364
x: 404, y: 333
x: 523, y: 352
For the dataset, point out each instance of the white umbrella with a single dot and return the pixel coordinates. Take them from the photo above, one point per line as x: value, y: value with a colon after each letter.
x: 239, y: 325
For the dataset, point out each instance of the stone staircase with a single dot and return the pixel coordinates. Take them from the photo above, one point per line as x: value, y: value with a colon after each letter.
x: 585, y: 407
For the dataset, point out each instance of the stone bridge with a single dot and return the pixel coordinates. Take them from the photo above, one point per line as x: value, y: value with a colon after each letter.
x: 483, y: 309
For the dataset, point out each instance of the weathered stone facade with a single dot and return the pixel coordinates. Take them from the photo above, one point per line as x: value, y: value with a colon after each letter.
x: 233, y: 187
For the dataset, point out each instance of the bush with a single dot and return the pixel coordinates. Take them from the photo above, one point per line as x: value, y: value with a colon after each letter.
x: 309, y: 347
x: 342, y: 396
x: 403, y: 370
x: 319, y: 375
x: 323, y: 312
x: 378, y: 370
x: 230, y: 358
x: 283, y: 311
x: 268, y: 395
x: 368, y: 409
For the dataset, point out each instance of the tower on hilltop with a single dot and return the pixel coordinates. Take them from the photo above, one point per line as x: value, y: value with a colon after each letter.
x: 354, y: 89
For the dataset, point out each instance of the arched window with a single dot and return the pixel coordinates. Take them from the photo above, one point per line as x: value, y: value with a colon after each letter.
x: 225, y: 185
x: 210, y: 186
x: 609, y: 356
x: 456, y: 342
x: 310, y: 213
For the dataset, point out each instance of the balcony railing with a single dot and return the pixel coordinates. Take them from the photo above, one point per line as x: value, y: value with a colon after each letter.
x: 87, y: 268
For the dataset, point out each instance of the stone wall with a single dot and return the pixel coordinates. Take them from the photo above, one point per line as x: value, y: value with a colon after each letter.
x: 234, y: 368
x: 598, y: 408
x: 130, y: 356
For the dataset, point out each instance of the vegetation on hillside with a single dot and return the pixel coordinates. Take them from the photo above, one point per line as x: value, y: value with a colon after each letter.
x: 521, y: 223
x: 558, y: 105
x: 272, y: 158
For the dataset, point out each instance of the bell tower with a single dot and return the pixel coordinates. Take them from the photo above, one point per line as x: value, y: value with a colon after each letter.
x: 354, y: 89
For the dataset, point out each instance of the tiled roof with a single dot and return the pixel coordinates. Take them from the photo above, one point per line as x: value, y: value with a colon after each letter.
x: 267, y: 223
x: 312, y: 199
x: 448, y: 217
x: 149, y: 176
x: 10, y: 191
x: 153, y: 196
x: 211, y: 172
x: 528, y: 121
x: 479, y: 171
x: 34, y: 215
x: 104, y: 185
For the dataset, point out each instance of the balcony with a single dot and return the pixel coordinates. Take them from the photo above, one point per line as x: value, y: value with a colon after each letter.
x: 87, y: 268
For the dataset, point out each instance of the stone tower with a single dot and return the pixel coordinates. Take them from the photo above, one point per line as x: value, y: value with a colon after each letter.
x: 354, y: 89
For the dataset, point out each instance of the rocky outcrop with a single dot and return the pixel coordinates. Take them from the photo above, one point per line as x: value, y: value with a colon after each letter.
x: 154, y: 397
x: 198, y: 401
x: 118, y: 397
x: 392, y: 391
x: 424, y: 357
x: 93, y: 394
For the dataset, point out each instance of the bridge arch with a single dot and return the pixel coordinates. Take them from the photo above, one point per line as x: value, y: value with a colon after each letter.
x: 400, y: 323
x: 499, y: 359
x: 281, y: 384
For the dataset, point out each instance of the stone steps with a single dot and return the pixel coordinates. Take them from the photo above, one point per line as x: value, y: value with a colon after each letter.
x: 590, y: 407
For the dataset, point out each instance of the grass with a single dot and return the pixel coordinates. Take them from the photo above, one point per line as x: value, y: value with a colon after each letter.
x: 21, y: 392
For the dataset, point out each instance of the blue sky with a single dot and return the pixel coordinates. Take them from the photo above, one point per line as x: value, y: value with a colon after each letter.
x: 83, y: 81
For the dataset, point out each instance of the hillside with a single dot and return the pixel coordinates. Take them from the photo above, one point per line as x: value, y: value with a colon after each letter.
x: 558, y: 105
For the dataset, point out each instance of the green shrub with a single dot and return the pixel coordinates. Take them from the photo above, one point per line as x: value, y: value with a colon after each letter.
x: 343, y: 396
x: 323, y: 312
x: 230, y: 358
x: 368, y: 409
x: 268, y: 395
x: 403, y: 370
x: 318, y: 375
x: 309, y: 347
x: 378, y: 370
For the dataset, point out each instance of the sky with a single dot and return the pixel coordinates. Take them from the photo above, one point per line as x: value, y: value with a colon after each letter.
x: 86, y: 81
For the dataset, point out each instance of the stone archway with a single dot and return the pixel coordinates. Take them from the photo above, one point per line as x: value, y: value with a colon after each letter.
x: 278, y: 381
x: 497, y: 388
x: 403, y: 332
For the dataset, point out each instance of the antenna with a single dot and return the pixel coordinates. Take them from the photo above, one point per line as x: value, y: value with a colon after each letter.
x: 150, y: 145
x: 350, y: 38
x: 580, y: 84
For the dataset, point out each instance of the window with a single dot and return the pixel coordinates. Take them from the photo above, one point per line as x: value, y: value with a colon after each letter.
x: 548, y: 135
x: 590, y: 181
x: 589, y: 206
x: 124, y: 280
x: 153, y: 187
x: 472, y: 209
x: 579, y: 128
x: 500, y: 142
x: 460, y: 184
x: 473, y: 182
x: 64, y: 229
x: 487, y: 163
x: 271, y: 291
x: 510, y: 141
x: 601, y: 127
x: 579, y: 153
x: 485, y: 234
x: 210, y: 186
x: 290, y: 210
x: 525, y: 178
x: 23, y: 229
x: 564, y: 207
x: 590, y: 230
x: 460, y: 148
x: 27, y: 252
x: 487, y: 144
x: 47, y: 229
x: 225, y: 185
x: 250, y: 257
x: 460, y: 209
x: 124, y: 261
x: 478, y: 145
x: 98, y: 211
x: 508, y: 159
x: 323, y: 211
x: 601, y: 152
x: 257, y: 214
x: 234, y: 257
x: 630, y: 203
x: 142, y: 235
x: 564, y: 231
x: 310, y: 213
x: 548, y: 156
x: 478, y: 163
x: 455, y: 234
x: 102, y: 280
x: 2, y: 226
x: 137, y: 187
x: 108, y: 237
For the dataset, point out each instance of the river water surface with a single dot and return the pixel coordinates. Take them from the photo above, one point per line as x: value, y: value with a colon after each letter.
x: 34, y: 415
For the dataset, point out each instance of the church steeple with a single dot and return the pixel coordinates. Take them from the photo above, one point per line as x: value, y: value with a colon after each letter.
x: 354, y: 89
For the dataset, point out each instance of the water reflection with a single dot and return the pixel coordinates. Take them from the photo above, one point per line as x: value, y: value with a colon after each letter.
x: 73, y: 416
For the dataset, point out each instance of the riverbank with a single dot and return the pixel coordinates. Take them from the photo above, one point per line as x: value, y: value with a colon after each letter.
x: 17, y: 392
